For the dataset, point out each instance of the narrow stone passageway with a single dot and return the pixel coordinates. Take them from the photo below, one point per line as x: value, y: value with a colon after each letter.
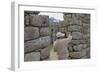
x: 53, y: 54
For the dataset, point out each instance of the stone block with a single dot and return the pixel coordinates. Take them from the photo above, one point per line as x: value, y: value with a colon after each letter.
x: 31, y: 33
x: 36, y: 44
x: 78, y: 55
x: 45, y: 41
x: 75, y: 18
x: 63, y: 56
x: 26, y: 20
x: 44, y: 31
x: 36, y: 20
x: 77, y: 35
x: 45, y: 53
x: 77, y: 42
x: 33, y: 56
x: 32, y: 45
x: 74, y: 28
x: 39, y: 20
x: 78, y: 47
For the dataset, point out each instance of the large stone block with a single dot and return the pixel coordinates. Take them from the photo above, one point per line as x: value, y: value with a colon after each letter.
x: 85, y: 18
x: 32, y: 45
x: 68, y: 19
x: 45, y: 41
x: 39, y: 20
x: 88, y: 52
x: 77, y: 35
x: 75, y: 18
x: 75, y: 55
x: 45, y: 19
x: 26, y: 20
x: 77, y: 42
x: 78, y: 47
x: 74, y: 28
x: 44, y: 31
x: 33, y: 56
x: 36, y: 20
x: 45, y: 53
x: 63, y: 56
x: 31, y: 33
x: 37, y: 44
x: 78, y: 55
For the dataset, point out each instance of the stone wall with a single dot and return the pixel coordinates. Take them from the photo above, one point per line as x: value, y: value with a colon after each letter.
x: 79, y: 26
x: 36, y: 36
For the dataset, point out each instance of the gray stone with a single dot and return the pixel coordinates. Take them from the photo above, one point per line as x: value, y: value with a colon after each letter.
x: 63, y: 56
x: 39, y: 20
x: 31, y: 33
x: 70, y: 48
x: 77, y: 35
x: 44, y: 31
x: 45, y: 41
x: 68, y: 19
x: 83, y: 52
x: 45, y: 53
x: 34, y: 45
x: 74, y: 28
x: 75, y: 18
x: 32, y: 12
x: 78, y: 54
x: 75, y: 55
x: 85, y: 18
x: 85, y: 36
x: 77, y: 42
x: 33, y: 56
x: 45, y: 19
x: 26, y: 20
x: 36, y: 20
x: 88, y: 52
x: 84, y: 45
x: 78, y: 47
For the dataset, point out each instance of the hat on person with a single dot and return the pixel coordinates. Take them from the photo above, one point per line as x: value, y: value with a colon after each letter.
x: 59, y: 34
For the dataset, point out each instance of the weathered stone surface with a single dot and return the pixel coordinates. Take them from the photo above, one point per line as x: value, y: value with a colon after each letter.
x: 83, y: 52
x: 31, y: 33
x: 75, y: 55
x: 85, y: 36
x: 45, y: 19
x: 31, y: 12
x: 74, y: 28
x: 63, y: 56
x: 70, y: 48
x: 36, y: 20
x: 78, y: 54
x: 36, y: 44
x: 33, y: 56
x: 45, y: 53
x: 44, y: 31
x: 39, y: 20
x: 84, y: 46
x: 78, y: 47
x: 77, y: 42
x: 68, y: 19
x: 32, y: 45
x: 45, y: 41
x: 75, y: 18
x: 77, y: 35
x: 26, y: 20
x: 88, y: 52
x: 85, y: 18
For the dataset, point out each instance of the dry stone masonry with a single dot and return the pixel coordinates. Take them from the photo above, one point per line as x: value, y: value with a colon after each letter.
x: 78, y: 25
x: 36, y: 36
x: 39, y: 34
